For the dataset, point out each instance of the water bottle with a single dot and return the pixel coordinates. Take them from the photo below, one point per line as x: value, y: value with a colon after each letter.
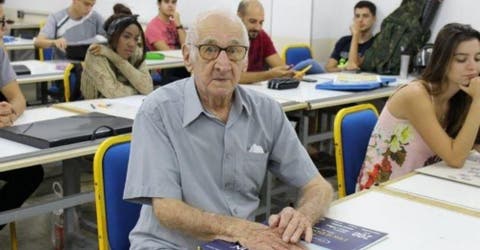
x: 57, y: 235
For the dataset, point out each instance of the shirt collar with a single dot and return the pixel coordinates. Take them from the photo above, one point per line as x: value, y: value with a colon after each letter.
x: 193, y: 107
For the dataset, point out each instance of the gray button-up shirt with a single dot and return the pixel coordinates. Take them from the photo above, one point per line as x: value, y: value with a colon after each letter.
x: 7, y: 75
x: 181, y: 151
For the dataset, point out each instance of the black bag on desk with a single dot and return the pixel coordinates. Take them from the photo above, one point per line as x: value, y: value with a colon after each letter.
x: 283, y: 83
x: 67, y: 130
x: 21, y: 69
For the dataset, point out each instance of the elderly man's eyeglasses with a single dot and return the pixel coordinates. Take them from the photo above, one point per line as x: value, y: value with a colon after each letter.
x: 211, y: 51
x: 4, y: 21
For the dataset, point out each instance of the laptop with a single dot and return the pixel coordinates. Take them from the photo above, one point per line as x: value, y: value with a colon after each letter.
x: 67, y: 130
x: 77, y: 52
x: 21, y: 69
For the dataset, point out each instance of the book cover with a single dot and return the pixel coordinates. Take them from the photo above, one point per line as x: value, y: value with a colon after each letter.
x: 327, y: 234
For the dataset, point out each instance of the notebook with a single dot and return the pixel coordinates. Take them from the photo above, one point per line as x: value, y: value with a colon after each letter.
x: 67, y: 130
x: 355, y: 82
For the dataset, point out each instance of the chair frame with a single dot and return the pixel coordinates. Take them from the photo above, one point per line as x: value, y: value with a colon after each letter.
x: 295, y: 45
x: 337, y: 138
x: 103, y: 243
x: 66, y: 81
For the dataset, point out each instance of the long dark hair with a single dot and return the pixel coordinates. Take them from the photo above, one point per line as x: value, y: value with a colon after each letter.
x: 447, y: 41
x: 114, y: 26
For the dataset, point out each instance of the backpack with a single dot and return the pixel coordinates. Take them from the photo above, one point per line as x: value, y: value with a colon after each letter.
x: 404, y: 31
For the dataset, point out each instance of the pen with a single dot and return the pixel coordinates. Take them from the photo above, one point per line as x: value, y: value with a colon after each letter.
x: 93, y: 106
x: 303, y: 71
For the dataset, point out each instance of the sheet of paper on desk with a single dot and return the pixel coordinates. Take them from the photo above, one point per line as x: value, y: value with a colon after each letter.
x: 356, y: 78
x: 468, y: 174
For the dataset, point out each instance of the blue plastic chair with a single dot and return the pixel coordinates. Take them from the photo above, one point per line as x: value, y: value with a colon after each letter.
x: 115, y: 217
x: 351, y: 133
x: 301, y: 56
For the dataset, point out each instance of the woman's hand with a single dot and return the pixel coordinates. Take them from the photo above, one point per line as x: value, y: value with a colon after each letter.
x: 472, y: 88
x: 96, y: 50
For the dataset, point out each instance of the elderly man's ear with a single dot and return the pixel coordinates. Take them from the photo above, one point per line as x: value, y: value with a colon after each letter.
x: 186, y: 58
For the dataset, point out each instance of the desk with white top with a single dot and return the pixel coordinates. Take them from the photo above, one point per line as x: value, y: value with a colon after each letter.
x: 173, y: 59
x: 447, y: 193
x: 16, y: 155
x: 318, y: 99
x: 19, y: 44
x: 409, y: 224
x: 41, y: 71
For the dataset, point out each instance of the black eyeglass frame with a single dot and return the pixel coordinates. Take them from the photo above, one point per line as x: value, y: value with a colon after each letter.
x: 220, y: 49
x: 4, y: 21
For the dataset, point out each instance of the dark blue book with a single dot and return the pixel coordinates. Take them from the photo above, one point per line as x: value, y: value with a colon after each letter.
x: 327, y: 234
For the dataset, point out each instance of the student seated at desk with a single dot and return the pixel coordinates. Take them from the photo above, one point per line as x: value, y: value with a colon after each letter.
x: 264, y: 63
x: 117, y: 69
x: 76, y: 23
x: 166, y: 32
x: 20, y: 183
x: 349, y: 50
x: 435, y: 117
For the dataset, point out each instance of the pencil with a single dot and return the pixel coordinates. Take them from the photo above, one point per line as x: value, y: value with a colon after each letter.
x: 303, y: 71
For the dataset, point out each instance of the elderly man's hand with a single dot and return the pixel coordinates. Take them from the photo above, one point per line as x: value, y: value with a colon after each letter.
x: 292, y: 224
x: 7, y: 114
x: 267, y: 238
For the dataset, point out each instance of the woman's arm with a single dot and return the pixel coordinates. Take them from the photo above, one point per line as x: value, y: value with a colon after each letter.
x: 415, y: 105
x: 139, y: 77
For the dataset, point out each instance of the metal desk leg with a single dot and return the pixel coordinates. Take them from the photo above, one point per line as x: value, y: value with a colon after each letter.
x: 71, y: 185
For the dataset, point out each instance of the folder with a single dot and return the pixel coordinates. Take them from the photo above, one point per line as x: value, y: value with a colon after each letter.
x: 21, y: 69
x: 67, y: 130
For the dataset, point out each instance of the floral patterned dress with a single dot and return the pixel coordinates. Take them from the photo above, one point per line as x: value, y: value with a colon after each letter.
x: 395, y: 149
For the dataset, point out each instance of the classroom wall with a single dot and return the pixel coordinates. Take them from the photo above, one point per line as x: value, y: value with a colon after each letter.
x: 317, y: 22
x: 147, y: 9
x: 332, y: 18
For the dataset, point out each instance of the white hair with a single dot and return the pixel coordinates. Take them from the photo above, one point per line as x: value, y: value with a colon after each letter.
x: 193, y: 32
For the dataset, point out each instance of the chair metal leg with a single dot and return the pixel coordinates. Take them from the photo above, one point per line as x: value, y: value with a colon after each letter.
x: 13, y: 236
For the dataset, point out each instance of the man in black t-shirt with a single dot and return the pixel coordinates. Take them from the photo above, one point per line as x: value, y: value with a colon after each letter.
x: 349, y: 50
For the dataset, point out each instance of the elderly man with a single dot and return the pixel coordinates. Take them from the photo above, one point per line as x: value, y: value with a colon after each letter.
x: 201, y: 148
x: 20, y: 183
x: 76, y: 23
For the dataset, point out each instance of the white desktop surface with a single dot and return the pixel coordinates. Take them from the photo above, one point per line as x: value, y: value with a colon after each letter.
x: 37, y: 67
x: 443, y: 190
x: 177, y: 53
x: 41, y: 114
x: 409, y: 224
x: 126, y: 107
x: 305, y: 92
x: 19, y: 43
x: 168, y: 62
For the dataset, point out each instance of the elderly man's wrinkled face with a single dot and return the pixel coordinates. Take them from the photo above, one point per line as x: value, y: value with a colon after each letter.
x: 220, y: 56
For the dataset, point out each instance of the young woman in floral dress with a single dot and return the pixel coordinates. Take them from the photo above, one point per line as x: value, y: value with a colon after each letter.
x: 432, y: 118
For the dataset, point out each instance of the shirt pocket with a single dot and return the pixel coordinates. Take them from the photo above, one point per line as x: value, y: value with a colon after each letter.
x: 251, y: 172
